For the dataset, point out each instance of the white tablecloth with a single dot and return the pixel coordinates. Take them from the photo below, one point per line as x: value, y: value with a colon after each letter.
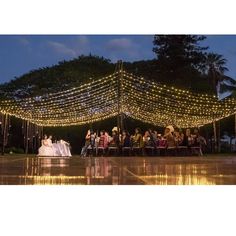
x: 61, y: 149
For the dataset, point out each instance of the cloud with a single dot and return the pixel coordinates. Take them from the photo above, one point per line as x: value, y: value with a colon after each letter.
x: 77, y: 46
x: 61, y: 48
x: 83, y: 40
x: 119, y: 44
x: 24, y: 41
x: 123, y: 46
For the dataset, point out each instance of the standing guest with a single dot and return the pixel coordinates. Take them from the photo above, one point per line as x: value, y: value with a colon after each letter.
x: 87, y: 143
x: 198, y: 140
x: 137, y: 139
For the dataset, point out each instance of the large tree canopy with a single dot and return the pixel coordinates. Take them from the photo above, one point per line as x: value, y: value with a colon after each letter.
x: 179, y: 56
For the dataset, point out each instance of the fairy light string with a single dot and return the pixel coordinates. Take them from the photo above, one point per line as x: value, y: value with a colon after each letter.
x: 142, y: 99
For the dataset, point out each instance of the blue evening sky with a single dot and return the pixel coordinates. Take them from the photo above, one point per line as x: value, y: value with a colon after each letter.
x: 22, y: 53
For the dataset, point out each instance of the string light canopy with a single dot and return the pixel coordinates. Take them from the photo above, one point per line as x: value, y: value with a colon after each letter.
x: 121, y: 93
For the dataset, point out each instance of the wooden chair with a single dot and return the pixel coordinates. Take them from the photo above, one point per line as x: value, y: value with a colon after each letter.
x: 101, y: 149
x: 126, y: 150
x: 161, y: 147
x: 113, y: 149
x: 137, y: 150
x: 182, y: 150
x: 90, y: 151
x: 149, y: 149
x: 196, y: 150
x: 161, y: 150
x: 171, y: 151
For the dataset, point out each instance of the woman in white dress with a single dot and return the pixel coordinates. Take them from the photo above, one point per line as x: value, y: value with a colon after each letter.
x: 47, y: 148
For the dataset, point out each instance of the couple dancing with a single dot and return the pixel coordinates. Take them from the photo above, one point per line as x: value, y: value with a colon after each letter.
x: 58, y: 149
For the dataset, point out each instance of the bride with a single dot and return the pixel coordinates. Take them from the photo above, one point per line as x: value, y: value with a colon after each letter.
x: 47, y: 148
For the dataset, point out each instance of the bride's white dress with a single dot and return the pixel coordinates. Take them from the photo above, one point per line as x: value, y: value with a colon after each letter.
x: 47, y: 148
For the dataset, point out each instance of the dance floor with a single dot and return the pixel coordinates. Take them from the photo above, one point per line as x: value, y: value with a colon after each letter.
x: 30, y: 170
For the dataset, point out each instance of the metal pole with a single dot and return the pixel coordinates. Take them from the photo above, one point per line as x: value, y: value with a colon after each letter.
x: 235, y: 125
x: 27, y: 138
x: 4, y: 133
x: 218, y: 136
x: 120, y: 122
x: 215, y: 136
x: 121, y: 99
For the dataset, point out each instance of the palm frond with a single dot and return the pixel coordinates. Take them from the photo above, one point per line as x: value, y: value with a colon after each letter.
x: 227, y: 88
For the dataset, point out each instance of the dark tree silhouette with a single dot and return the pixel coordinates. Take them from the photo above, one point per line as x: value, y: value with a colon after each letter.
x: 179, y: 57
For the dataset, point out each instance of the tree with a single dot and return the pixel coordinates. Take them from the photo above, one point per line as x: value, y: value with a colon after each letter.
x: 215, y: 66
x: 64, y: 75
x: 179, y: 57
x: 228, y: 85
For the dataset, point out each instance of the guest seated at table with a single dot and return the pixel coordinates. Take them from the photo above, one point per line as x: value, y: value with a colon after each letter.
x: 114, y: 142
x: 153, y: 137
x: 103, y: 139
x: 188, y: 138
x: 107, y: 139
x: 93, y: 139
x: 178, y: 137
x: 137, y: 139
x: 169, y: 138
x: 125, y: 139
x: 146, y: 139
x: 182, y: 137
x: 161, y: 141
x: 155, y: 134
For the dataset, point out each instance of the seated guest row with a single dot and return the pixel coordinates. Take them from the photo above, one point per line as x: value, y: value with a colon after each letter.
x: 172, y: 139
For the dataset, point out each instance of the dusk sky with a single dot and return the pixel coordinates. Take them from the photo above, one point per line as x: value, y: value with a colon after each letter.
x: 21, y: 53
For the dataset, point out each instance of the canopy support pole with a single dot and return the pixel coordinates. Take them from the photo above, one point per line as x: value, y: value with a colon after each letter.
x: 27, y: 138
x: 4, y: 132
x: 218, y: 137
x: 120, y: 117
x: 235, y: 125
x: 215, y: 136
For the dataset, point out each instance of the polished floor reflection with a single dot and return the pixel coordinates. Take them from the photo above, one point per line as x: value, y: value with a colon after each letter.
x: 29, y: 170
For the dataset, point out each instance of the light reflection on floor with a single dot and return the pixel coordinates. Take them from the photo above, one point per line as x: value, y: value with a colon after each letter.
x: 30, y: 170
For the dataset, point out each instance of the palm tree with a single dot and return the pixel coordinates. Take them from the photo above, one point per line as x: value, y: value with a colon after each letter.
x: 229, y: 86
x: 215, y: 66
